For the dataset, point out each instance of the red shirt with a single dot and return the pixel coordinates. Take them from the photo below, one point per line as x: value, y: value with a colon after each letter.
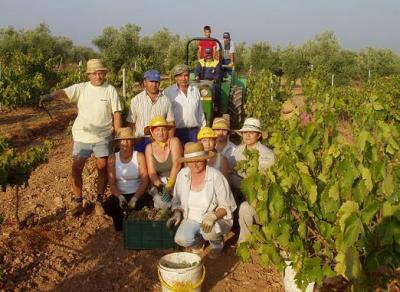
x: 203, y: 44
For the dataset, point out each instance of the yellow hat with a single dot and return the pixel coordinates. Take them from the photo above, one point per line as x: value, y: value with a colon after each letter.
x: 157, y: 121
x: 220, y: 124
x: 206, y: 132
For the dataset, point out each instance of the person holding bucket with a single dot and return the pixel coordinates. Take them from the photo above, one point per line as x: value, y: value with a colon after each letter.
x: 202, y: 202
x: 207, y: 137
x: 128, y: 178
x: 162, y: 159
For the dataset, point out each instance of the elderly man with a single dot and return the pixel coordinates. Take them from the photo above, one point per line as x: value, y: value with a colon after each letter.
x: 99, y: 115
x: 146, y: 105
x: 186, y: 104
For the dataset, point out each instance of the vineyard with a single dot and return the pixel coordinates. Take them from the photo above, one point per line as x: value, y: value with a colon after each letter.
x: 329, y: 205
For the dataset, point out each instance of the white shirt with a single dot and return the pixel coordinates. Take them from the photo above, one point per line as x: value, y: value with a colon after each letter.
x: 226, y: 53
x: 143, y: 109
x: 216, y: 188
x: 198, y: 204
x: 188, y: 110
x: 96, y: 106
x: 127, y: 174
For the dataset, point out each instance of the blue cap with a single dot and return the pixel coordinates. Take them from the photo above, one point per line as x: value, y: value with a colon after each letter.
x: 152, y: 75
x: 208, y: 51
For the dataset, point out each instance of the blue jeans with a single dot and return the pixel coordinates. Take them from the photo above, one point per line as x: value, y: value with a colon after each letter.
x: 187, y: 134
x: 190, y: 234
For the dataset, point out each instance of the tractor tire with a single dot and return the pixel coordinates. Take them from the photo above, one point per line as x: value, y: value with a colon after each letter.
x: 236, y: 107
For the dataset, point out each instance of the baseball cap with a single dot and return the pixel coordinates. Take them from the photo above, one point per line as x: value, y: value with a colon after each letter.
x: 226, y: 35
x: 208, y: 51
x: 152, y: 75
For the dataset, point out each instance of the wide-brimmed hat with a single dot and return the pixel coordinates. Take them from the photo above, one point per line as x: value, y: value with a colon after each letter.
x: 179, y: 69
x: 94, y: 65
x: 251, y: 125
x: 125, y: 133
x: 157, y: 121
x: 206, y: 132
x: 194, y: 151
x: 220, y: 124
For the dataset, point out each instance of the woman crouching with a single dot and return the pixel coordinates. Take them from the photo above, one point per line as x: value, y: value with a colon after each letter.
x: 202, y: 202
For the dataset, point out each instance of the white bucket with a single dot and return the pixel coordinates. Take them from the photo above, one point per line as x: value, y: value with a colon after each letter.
x: 177, y: 278
x: 290, y: 284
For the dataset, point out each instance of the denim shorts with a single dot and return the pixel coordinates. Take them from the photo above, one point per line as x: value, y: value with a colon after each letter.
x: 100, y: 149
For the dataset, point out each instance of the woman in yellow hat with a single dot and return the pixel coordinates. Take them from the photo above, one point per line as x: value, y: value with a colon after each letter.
x: 202, y: 203
x: 162, y: 158
x: 208, y: 137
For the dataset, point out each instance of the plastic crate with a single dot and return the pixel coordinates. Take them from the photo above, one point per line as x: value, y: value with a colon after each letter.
x: 141, y: 234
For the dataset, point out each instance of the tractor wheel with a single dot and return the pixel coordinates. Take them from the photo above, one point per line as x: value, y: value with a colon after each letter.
x: 236, y: 107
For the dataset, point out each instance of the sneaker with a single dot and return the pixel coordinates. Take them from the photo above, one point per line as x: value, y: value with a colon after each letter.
x: 77, y: 207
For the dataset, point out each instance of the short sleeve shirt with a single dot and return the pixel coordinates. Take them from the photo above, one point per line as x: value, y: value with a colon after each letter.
x: 143, y: 109
x: 228, y: 50
x: 96, y: 105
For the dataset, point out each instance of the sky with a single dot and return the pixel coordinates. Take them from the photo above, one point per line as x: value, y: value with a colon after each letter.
x: 357, y: 23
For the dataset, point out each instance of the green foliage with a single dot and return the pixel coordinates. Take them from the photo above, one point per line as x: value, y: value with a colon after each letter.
x: 330, y: 203
x: 15, y: 168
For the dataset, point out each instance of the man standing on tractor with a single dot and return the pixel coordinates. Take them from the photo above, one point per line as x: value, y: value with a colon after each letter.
x: 203, y: 44
x: 146, y: 105
x: 99, y: 116
x: 228, y: 53
x: 186, y: 104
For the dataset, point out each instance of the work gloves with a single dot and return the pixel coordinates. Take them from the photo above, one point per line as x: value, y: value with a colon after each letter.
x: 175, y: 219
x: 208, y: 222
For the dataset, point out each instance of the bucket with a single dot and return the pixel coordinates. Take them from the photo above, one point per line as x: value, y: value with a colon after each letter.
x: 289, y: 282
x: 181, y: 272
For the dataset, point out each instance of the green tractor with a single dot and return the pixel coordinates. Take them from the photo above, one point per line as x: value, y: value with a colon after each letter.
x: 232, y: 92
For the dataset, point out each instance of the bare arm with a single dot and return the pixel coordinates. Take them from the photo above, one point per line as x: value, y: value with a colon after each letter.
x: 225, y: 167
x: 117, y: 118
x: 220, y: 213
x: 59, y: 94
x: 144, y: 177
x: 176, y: 151
x: 112, y: 179
x: 154, y: 178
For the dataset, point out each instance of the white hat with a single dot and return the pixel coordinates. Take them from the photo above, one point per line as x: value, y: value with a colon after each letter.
x: 251, y: 125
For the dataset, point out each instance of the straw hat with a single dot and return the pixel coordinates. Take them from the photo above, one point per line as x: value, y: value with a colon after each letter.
x: 125, y: 133
x: 288, y: 110
x: 220, y: 124
x: 157, y: 121
x: 94, y: 65
x: 180, y: 68
x: 206, y: 132
x: 194, y: 151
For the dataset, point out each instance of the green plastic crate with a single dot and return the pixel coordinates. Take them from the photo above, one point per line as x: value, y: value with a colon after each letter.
x: 140, y: 234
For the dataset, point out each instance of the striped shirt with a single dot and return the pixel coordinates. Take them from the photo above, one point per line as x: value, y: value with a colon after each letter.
x: 143, y: 109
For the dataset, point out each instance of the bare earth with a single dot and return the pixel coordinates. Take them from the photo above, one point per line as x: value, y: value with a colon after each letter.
x: 53, y: 251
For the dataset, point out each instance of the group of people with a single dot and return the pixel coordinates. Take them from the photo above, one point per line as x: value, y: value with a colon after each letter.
x: 166, y: 158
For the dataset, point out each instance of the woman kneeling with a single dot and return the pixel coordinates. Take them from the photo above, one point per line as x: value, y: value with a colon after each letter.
x: 202, y: 202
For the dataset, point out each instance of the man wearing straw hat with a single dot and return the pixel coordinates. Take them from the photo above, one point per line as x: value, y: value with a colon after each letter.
x: 146, y: 105
x: 202, y: 202
x: 186, y: 104
x: 99, y: 115
x: 251, y: 134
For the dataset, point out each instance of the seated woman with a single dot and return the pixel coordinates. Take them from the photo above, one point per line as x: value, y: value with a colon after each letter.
x: 162, y: 158
x: 252, y: 135
x: 208, y: 137
x: 128, y: 178
x: 202, y: 202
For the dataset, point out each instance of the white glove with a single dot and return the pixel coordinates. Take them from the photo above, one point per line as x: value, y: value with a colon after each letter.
x: 122, y: 202
x: 175, y: 219
x: 159, y: 203
x: 208, y: 222
x: 132, y: 202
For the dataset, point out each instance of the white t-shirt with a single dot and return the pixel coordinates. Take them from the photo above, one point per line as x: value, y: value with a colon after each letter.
x: 198, y: 205
x: 226, y: 53
x: 127, y: 174
x: 96, y: 105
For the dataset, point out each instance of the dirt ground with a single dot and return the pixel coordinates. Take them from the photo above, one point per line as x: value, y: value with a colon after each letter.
x: 53, y: 251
